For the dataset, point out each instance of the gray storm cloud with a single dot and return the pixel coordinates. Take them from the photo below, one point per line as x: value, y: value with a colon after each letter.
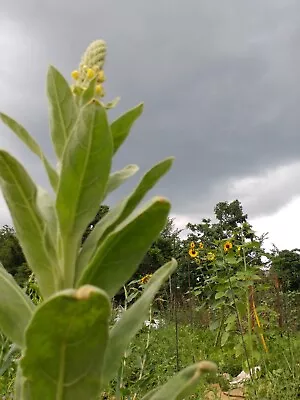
x: 219, y: 82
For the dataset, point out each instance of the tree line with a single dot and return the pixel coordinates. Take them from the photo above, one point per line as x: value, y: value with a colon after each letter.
x: 229, y: 221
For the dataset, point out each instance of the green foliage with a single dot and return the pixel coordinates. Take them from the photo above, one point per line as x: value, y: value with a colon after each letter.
x: 16, y: 308
x: 103, y: 210
x: 119, y: 177
x: 117, y: 258
x: 132, y: 320
x: 22, y: 197
x: 121, y: 127
x: 182, y: 384
x: 62, y: 110
x: 165, y: 246
x: 229, y: 217
x: 11, y: 254
x: 54, y: 349
x: 230, y: 269
x: 120, y: 212
x: 286, y: 263
x: 23, y: 135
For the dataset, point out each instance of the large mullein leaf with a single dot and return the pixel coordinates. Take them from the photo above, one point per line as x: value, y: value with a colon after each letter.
x: 21, y: 196
x: 16, y: 308
x: 120, y: 128
x: 65, y: 346
x: 118, y: 257
x: 119, y: 213
x: 26, y: 138
x: 117, y: 178
x: 83, y: 180
x: 131, y: 321
x: 183, y: 384
x: 62, y: 109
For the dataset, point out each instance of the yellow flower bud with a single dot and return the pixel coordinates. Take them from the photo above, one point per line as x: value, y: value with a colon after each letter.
x: 90, y: 73
x: 75, y: 75
x: 100, y: 90
x: 101, y: 76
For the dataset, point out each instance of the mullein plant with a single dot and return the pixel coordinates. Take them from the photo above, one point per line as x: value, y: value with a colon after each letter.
x: 68, y: 349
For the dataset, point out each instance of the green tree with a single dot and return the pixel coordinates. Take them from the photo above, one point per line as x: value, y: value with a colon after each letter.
x: 11, y: 255
x: 229, y: 218
x: 286, y: 264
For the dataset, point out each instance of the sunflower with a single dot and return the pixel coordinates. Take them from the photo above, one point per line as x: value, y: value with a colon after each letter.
x: 197, y: 260
x: 210, y: 256
x: 238, y: 250
x: 192, y: 252
x: 192, y: 245
x: 227, y: 246
x: 201, y: 245
x: 145, y: 279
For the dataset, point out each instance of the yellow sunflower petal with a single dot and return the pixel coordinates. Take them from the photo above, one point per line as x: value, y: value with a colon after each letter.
x: 193, y: 253
x: 227, y: 246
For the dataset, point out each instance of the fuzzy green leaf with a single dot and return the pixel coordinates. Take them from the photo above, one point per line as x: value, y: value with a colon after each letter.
x: 120, y: 128
x: 46, y: 207
x: 84, y: 175
x: 62, y: 109
x: 21, y: 195
x: 119, y: 177
x: 65, y: 346
x: 118, y: 214
x: 16, y: 309
x: 26, y: 138
x: 116, y: 260
x: 132, y: 320
x: 182, y: 384
x: 20, y: 393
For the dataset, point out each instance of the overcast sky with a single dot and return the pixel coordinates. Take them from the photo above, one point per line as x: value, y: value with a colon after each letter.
x: 220, y: 82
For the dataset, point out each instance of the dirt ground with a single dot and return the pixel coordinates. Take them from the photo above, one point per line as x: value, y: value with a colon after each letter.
x: 218, y: 394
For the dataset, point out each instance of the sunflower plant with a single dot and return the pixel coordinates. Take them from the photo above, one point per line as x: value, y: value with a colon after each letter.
x: 229, y: 271
x: 68, y: 349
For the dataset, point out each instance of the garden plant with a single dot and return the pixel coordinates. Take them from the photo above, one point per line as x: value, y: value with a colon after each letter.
x: 68, y: 347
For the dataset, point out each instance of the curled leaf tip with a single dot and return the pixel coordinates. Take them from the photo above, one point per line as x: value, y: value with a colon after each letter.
x: 207, y: 366
x: 163, y: 200
x: 84, y: 292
